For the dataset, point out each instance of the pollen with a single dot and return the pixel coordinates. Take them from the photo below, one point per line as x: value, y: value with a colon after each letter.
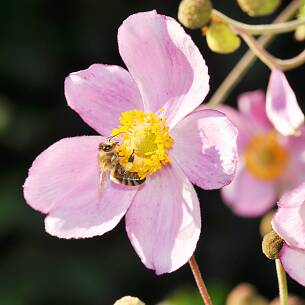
x: 146, y: 137
x: 265, y: 157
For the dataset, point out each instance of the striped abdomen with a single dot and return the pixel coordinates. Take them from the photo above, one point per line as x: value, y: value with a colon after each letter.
x: 121, y: 176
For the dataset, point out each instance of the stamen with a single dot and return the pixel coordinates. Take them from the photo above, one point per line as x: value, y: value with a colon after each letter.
x: 146, y: 137
x: 265, y: 157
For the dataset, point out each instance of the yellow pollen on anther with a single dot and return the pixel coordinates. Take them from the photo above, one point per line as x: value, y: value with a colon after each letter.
x: 265, y: 157
x: 146, y: 137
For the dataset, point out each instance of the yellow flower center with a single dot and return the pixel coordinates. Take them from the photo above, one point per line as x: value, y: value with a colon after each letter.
x: 145, y: 139
x: 265, y: 157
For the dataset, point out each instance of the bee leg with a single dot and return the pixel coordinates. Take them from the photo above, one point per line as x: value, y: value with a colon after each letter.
x: 128, y: 166
x: 131, y: 157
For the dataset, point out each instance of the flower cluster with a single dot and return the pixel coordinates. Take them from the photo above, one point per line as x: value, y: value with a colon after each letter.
x: 289, y: 222
x: 271, y: 146
x: 163, y: 138
x: 151, y: 109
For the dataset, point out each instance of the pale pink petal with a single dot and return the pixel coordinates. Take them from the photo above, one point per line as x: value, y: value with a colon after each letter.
x: 282, y: 106
x: 289, y: 220
x: 253, y: 105
x: 163, y: 222
x: 297, y: 143
x: 245, y: 127
x: 289, y: 223
x: 295, y: 173
x: 205, y: 148
x: 63, y: 182
x: 100, y: 94
x: 165, y: 63
x: 248, y: 196
x: 293, y: 261
x: 294, y: 198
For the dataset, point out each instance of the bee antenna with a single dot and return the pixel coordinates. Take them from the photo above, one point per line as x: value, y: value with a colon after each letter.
x: 111, y: 137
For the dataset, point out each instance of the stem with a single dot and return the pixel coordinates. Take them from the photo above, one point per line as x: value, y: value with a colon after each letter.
x: 275, y: 28
x: 258, y: 50
x: 288, y: 64
x: 199, y: 281
x: 281, y: 276
x: 269, y: 60
x: 247, y: 60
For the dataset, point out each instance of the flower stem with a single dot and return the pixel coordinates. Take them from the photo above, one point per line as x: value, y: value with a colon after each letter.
x: 275, y: 28
x: 247, y: 60
x: 269, y: 60
x: 199, y: 281
x: 281, y: 276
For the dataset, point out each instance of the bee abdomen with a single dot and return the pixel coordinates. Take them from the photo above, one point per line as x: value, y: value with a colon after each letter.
x: 133, y: 181
x: 121, y: 176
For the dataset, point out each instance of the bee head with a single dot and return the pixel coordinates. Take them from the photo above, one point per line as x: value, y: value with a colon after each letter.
x: 108, y: 146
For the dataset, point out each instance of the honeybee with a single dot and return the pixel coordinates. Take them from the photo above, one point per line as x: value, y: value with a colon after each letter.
x: 109, y: 161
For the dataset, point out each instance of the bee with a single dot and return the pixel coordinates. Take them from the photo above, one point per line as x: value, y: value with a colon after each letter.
x: 109, y: 161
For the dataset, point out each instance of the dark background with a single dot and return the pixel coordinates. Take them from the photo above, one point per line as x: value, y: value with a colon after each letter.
x: 41, y: 42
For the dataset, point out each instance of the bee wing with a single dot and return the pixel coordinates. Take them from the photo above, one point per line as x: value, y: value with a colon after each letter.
x: 104, y: 176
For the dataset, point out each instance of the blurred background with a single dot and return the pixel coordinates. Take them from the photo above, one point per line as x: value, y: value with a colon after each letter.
x: 41, y: 42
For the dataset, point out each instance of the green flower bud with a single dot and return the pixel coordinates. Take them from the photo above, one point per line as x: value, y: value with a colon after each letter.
x: 245, y: 294
x: 265, y: 224
x: 129, y: 301
x: 221, y: 39
x: 272, y: 245
x: 299, y: 33
x: 259, y: 7
x: 194, y: 14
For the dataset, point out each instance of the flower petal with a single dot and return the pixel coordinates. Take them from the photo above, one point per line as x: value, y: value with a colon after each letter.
x: 205, y: 148
x: 289, y: 220
x: 244, y: 125
x: 64, y: 183
x: 100, y: 94
x: 282, y: 106
x: 253, y: 105
x: 294, y: 198
x: 248, y: 196
x: 163, y: 222
x: 293, y: 261
x: 295, y: 173
x: 165, y: 63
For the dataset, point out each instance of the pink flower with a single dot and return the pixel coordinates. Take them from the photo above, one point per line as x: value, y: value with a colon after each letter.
x: 269, y: 163
x: 282, y: 106
x: 289, y: 223
x: 173, y: 146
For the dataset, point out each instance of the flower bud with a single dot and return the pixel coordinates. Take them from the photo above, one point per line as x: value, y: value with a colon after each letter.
x: 292, y: 300
x: 194, y: 14
x: 259, y: 7
x: 221, y: 39
x: 272, y: 245
x: 245, y: 294
x: 299, y: 33
x: 129, y: 301
x: 265, y: 224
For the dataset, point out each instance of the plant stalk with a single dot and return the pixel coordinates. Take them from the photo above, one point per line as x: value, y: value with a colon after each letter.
x: 281, y: 276
x: 268, y: 59
x: 199, y: 281
x: 259, y: 29
x: 248, y: 59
